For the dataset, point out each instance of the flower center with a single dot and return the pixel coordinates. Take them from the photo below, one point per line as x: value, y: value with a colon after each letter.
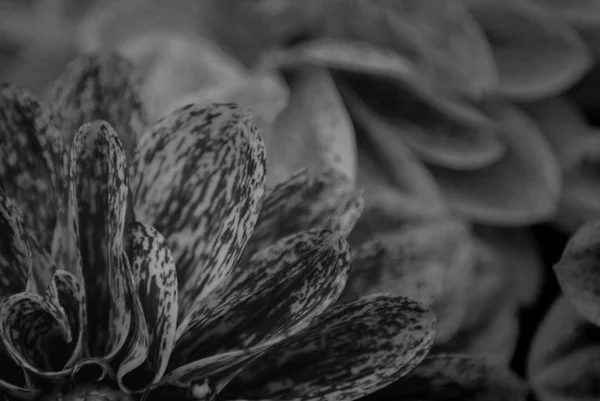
x: 89, y: 392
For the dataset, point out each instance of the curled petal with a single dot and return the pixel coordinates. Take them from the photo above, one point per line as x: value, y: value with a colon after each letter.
x: 456, y: 377
x: 198, y: 178
x: 308, y: 199
x: 32, y: 329
x: 99, y: 86
x: 278, y: 293
x: 314, y: 129
x: 32, y: 160
x: 352, y: 350
x: 565, y: 356
x: 578, y: 271
x: 523, y: 187
x: 537, y: 54
x: 156, y: 283
x: 99, y: 184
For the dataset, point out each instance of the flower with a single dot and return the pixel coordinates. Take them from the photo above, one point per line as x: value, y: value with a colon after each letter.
x: 156, y: 265
x: 564, y: 362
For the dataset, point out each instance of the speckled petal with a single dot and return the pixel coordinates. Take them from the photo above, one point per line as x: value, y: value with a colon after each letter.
x: 30, y: 329
x: 346, y: 55
x: 314, y: 130
x: 198, y: 178
x: 98, y: 174
x: 429, y: 262
x: 352, y: 350
x: 156, y: 281
x: 276, y: 294
x: 523, y: 187
x: 99, y: 86
x: 32, y: 160
x: 15, y: 249
x: 578, y: 273
x: 438, y: 135
x: 564, y: 356
x: 308, y: 199
x: 394, y: 180
x: 538, y: 54
x: 447, y: 377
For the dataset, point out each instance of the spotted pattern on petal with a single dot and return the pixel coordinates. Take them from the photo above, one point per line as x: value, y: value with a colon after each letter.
x: 308, y: 199
x: 99, y: 86
x: 156, y: 282
x: 29, y: 328
x: 31, y: 160
x: 280, y: 291
x: 352, y: 350
x: 198, y: 178
x: 15, y: 250
x: 97, y: 171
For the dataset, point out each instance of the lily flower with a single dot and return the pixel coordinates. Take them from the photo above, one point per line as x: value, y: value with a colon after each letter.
x: 153, y: 263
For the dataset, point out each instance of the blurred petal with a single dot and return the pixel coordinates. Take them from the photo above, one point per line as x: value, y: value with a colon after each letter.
x: 537, y: 54
x: 464, y: 61
x: 393, y: 179
x: 279, y: 292
x: 173, y: 66
x: 577, y: 147
x: 565, y: 356
x: 352, y: 350
x: 429, y: 262
x: 456, y: 377
x: 314, y: 130
x: 345, y: 55
x: 437, y: 135
x: 578, y: 271
x: 198, y: 177
x: 522, y: 188
x: 98, y: 174
x: 307, y: 200
x: 156, y: 281
x: 99, y: 86
x: 31, y: 160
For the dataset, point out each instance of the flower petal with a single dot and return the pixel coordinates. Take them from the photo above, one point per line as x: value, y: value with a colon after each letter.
x: 429, y: 262
x: 352, y: 350
x: 198, y: 178
x: 464, y: 61
x: 521, y: 188
x: 99, y: 183
x: 456, y: 377
x: 280, y: 290
x: 31, y: 160
x: 393, y: 179
x: 15, y: 249
x: 174, y: 65
x: 314, y: 130
x: 578, y: 273
x: 564, y: 358
x: 577, y: 148
x: 31, y: 329
x: 537, y: 54
x: 156, y: 281
x: 14, y: 381
x: 99, y: 86
x: 308, y: 199
x: 346, y: 55
x: 438, y: 135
